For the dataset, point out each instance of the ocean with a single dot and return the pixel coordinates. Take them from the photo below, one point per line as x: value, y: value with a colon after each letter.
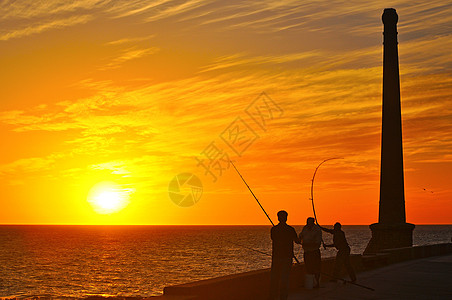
x: 79, y: 261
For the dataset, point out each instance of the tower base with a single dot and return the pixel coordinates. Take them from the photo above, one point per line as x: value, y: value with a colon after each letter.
x: 389, y: 236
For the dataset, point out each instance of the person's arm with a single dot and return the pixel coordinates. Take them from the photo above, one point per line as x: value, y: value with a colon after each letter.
x: 326, y: 229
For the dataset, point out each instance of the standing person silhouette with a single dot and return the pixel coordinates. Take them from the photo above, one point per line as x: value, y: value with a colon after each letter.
x: 343, y: 253
x: 283, y: 236
x: 311, y: 238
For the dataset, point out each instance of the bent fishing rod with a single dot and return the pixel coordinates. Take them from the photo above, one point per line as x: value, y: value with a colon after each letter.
x: 268, y: 217
x: 312, y: 185
x: 312, y: 195
x: 312, y: 192
x: 344, y: 281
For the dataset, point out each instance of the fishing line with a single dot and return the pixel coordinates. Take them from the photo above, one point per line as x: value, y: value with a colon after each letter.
x: 344, y: 281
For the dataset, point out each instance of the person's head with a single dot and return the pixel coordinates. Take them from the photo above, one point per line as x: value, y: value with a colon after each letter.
x: 310, y: 221
x: 282, y: 216
x: 337, y: 226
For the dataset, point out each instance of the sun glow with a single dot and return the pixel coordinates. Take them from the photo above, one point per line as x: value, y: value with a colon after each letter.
x: 108, y: 197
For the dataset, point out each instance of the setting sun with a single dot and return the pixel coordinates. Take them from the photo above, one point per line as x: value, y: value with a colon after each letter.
x: 108, y: 197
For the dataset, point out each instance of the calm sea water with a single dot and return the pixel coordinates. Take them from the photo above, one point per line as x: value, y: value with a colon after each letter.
x: 78, y: 261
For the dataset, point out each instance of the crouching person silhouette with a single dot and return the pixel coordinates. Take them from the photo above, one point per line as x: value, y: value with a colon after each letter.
x: 343, y: 253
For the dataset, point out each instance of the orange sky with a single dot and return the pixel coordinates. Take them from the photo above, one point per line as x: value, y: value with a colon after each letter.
x: 131, y: 91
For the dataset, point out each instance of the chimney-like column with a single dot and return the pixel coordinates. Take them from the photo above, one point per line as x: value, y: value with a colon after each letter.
x: 391, y: 231
x: 392, y: 194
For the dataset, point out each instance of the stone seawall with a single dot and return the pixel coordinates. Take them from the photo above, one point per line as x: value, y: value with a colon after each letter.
x: 254, y: 285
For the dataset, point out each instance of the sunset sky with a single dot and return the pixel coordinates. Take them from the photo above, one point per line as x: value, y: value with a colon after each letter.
x: 134, y: 92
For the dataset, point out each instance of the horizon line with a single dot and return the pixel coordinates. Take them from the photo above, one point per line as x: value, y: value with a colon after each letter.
x: 71, y: 224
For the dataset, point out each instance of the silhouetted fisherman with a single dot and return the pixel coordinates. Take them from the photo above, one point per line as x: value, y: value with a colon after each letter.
x: 283, y: 236
x: 311, y: 238
x: 343, y: 253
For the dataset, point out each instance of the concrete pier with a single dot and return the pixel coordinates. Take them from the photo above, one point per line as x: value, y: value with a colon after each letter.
x: 373, y: 270
x: 428, y: 278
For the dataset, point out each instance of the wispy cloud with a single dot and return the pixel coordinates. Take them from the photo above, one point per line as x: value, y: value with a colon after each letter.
x: 28, y: 9
x: 127, y: 55
x: 130, y: 8
x: 129, y: 40
x: 18, y: 171
x: 44, y: 26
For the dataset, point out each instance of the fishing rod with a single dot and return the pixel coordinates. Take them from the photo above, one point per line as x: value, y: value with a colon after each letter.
x: 312, y: 192
x: 344, y: 281
x: 312, y: 185
x: 268, y: 217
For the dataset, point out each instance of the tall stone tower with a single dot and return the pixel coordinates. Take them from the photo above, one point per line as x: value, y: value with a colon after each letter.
x: 391, y: 231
